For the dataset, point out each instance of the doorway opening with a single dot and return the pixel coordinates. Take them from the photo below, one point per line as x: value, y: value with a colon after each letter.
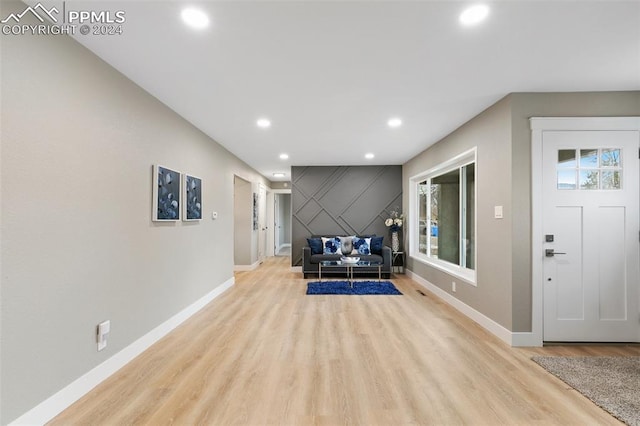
x: 282, y: 224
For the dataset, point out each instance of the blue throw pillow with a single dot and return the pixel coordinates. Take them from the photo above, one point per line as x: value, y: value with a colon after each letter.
x: 315, y: 244
x: 331, y: 245
x: 362, y: 245
x: 376, y: 245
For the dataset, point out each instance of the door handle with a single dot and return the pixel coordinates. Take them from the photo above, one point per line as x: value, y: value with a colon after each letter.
x: 551, y: 253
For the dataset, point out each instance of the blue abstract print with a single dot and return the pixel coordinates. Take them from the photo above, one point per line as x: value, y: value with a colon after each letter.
x: 168, y: 194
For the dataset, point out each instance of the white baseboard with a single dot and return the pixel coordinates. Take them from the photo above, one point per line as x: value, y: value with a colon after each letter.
x: 526, y: 339
x: 58, y: 402
x: 296, y: 269
x: 507, y: 336
x: 251, y: 267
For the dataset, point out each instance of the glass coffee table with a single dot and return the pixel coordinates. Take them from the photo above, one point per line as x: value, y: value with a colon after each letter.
x: 328, y: 265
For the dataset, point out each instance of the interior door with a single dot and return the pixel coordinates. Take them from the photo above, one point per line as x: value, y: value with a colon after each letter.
x: 276, y: 223
x: 262, y: 223
x: 591, y: 227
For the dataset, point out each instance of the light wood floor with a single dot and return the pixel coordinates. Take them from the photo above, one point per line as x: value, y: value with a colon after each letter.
x: 264, y: 353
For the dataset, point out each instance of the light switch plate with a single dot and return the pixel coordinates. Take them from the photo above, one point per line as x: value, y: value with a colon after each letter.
x: 104, y: 328
x: 497, y: 212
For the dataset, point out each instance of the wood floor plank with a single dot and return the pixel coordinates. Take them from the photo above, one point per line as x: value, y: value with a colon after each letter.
x: 264, y: 353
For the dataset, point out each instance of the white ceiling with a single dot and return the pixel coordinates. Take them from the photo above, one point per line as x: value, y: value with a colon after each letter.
x: 329, y: 74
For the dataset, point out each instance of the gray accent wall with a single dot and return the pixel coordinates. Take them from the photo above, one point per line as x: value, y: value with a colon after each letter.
x: 342, y: 200
x: 503, y: 138
x: 78, y: 244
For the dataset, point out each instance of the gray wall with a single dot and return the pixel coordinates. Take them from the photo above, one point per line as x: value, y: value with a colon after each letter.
x: 491, y: 133
x: 503, y: 137
x: 78, y: 243
x: 524, y: 106
x: 342, y: 200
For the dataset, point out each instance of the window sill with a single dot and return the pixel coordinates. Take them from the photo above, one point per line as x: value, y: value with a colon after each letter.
x: 466, y: 275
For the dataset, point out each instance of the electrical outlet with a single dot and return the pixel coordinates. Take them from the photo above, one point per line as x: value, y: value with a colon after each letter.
x: 453, y: 286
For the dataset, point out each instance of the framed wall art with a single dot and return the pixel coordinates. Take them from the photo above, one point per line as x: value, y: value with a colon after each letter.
x: 192, y: 203
x: 255, y: 211
x: 166, y: 194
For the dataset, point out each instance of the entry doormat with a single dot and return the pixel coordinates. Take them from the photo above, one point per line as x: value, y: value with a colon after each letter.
x: 612, y: 383
x: 358, y: 288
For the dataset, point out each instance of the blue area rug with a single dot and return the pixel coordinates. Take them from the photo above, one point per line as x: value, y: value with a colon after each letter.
x: 359, y: 287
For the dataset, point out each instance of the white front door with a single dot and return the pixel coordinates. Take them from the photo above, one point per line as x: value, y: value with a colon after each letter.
x: 590, y: 186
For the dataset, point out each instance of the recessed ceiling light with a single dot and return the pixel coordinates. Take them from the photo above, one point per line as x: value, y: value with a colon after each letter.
x: 394, y: 122
x: 284, y: 156
x: 263, y: 123
x: 195, y: 18
x: 369, y: 155
x: 279, y: 175
x: 474, y: 14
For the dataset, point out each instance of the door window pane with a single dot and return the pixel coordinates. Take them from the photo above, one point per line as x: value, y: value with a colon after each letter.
x: 610, y: 158
x: 589, y: 179
x: 567, y: 179
x: 566, y: 158
x: 588, y: 158
x: 611, y: 180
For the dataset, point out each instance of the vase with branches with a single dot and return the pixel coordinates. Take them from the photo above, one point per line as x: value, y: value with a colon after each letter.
x: 394, y: 222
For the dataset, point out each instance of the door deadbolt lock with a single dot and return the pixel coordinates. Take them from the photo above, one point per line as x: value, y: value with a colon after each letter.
x: 551, y: 253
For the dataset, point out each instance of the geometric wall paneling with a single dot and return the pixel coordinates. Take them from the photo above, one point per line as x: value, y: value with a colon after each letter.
x: 342, y: 200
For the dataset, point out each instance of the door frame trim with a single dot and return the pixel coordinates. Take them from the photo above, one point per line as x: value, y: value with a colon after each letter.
x: 538, y: 126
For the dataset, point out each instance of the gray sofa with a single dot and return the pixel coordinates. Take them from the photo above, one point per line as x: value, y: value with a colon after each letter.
x: 310, y: 263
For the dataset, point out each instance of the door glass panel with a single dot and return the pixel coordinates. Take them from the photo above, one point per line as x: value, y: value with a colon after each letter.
x: 610, y: 158
x: 595, y: 168
x: 567, y: 179
x: 589, y: 179
x: 611, y: 180
x: 566, y: 158
x: 588, y: 158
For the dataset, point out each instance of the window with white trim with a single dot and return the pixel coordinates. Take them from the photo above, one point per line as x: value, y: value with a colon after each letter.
x: 444, y: 211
